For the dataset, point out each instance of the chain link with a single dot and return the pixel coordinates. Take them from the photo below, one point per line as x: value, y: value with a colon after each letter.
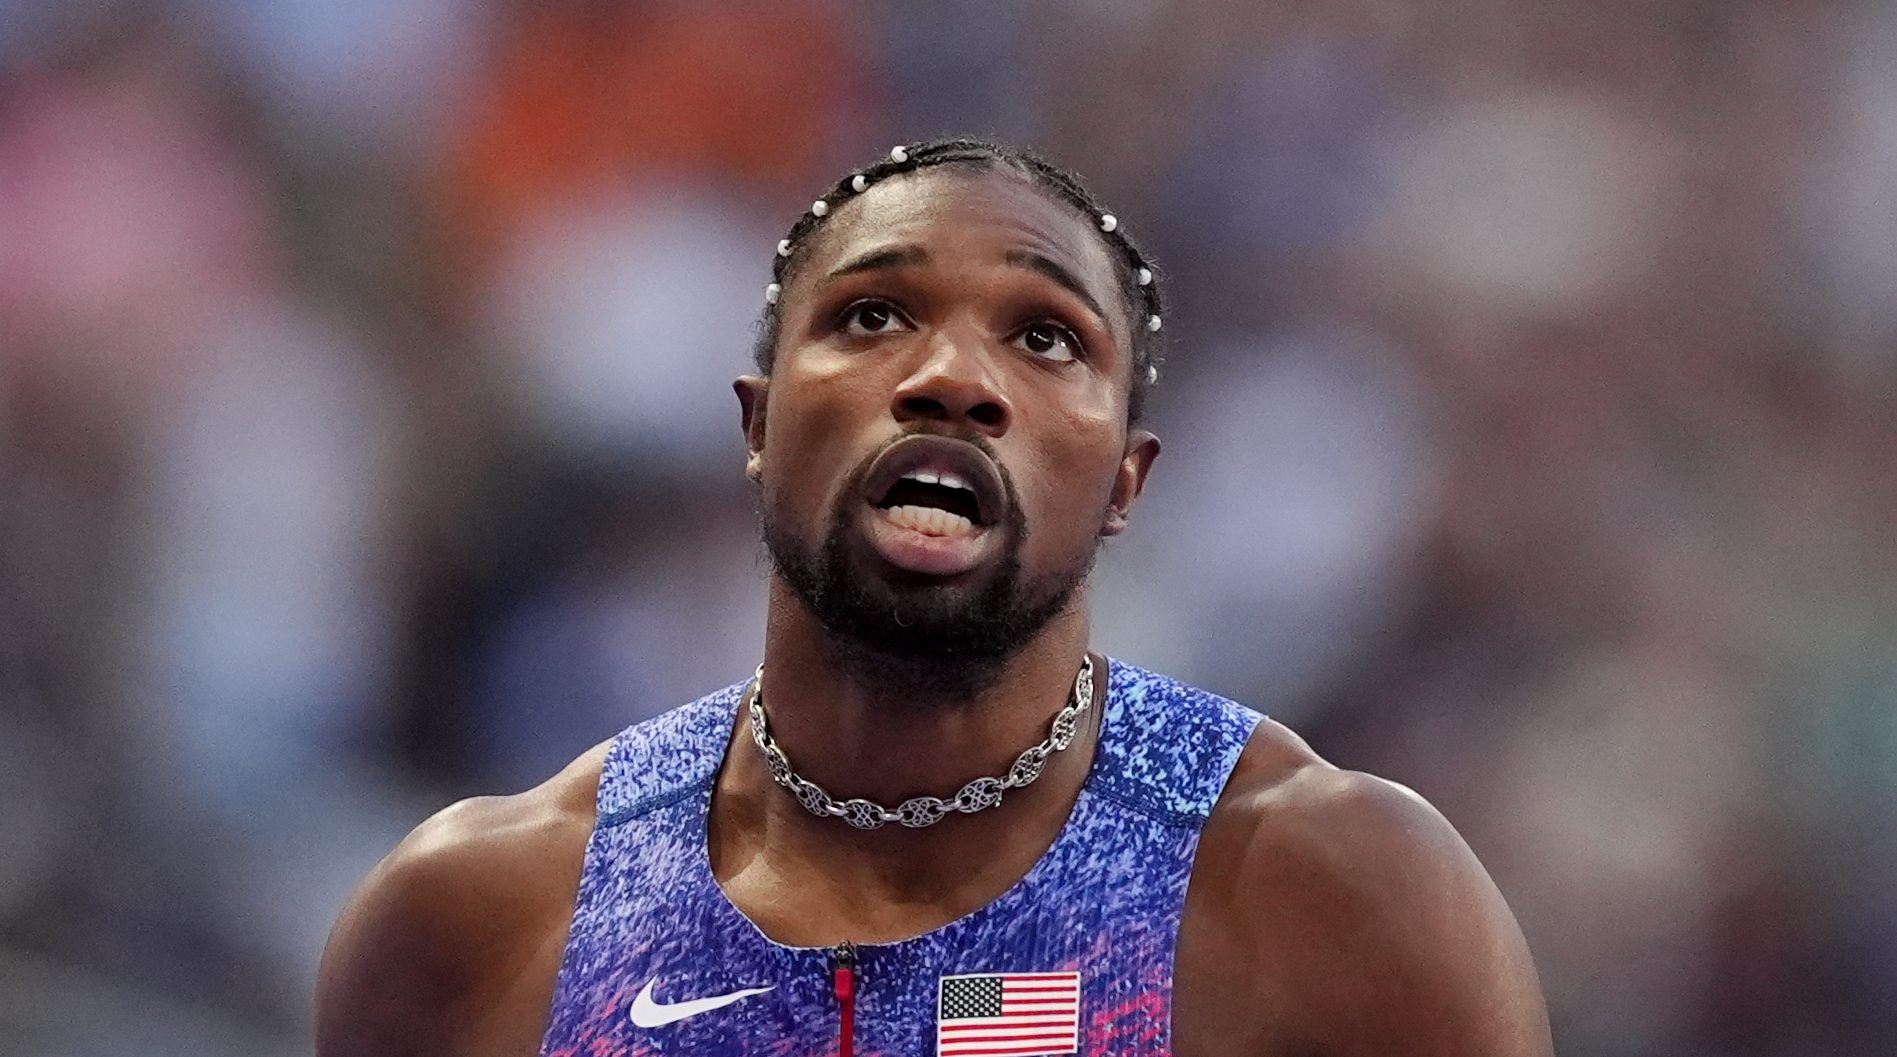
x: 919, y: 811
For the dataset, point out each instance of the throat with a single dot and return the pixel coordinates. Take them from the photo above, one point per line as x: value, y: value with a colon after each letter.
x: 900, y: 683
x: 806, y: 881
x: 909, y: 746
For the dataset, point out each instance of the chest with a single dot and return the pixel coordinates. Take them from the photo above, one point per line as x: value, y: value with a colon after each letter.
x: 1203, y: 1010
x: 1076, y: 956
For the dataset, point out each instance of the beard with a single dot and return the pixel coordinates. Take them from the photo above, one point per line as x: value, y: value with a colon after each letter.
x: 910, y: 638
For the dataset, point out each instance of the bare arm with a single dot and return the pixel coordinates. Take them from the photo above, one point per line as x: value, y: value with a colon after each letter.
x: 1357, y: 923
x: 389, y: 962
x: 452, y: 943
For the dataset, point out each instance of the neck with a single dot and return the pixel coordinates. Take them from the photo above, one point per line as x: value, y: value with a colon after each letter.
x: 890, y: 731
x: 870, y: 741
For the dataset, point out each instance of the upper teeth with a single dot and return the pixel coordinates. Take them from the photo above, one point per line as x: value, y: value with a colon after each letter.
x: 945, y: 479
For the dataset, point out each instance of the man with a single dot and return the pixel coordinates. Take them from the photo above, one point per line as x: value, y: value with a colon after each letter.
x: 1030, y: 848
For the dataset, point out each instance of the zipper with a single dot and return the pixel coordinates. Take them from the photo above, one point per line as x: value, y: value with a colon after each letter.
x: 843, y: 983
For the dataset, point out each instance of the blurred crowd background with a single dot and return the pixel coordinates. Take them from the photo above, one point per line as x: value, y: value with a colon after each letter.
x: 366, y: 441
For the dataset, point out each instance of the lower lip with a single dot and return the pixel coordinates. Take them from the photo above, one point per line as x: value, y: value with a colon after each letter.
x: 919, y: 552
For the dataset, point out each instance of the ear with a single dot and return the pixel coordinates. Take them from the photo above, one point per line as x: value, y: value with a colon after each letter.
x: 753, y: 392
x: 1141, y: 449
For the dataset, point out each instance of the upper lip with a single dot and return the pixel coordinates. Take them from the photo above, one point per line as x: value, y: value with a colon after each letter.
x: 933, y: 451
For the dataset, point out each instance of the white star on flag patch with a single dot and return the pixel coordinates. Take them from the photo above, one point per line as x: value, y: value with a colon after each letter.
x: 1008, y: 1015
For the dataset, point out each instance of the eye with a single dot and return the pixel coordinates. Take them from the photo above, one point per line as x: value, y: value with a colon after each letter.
x: 870, y: 317
x: 1050, y: 341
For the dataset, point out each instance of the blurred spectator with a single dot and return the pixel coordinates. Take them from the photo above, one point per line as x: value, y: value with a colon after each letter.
x: 366, y: 440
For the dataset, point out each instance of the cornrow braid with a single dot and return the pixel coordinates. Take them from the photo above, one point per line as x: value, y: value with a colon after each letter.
x: 1139, y: 280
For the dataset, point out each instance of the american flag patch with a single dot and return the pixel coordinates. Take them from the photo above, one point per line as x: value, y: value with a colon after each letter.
x: 1008, y: 1015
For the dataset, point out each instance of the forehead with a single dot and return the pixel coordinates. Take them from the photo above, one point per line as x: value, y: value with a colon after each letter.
x: 963, y: 213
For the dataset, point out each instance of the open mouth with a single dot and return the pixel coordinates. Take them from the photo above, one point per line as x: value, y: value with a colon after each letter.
x: 932, y: 502
x: 937, y: 486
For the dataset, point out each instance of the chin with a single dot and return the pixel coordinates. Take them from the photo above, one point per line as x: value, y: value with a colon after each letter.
x: 899, y: 611
x: 889, y: 623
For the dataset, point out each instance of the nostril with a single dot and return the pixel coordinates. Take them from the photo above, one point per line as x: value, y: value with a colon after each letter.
x: 987, y: 414
x: 923, y: 406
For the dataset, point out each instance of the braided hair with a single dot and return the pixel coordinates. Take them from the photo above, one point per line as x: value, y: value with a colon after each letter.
x: 1139, y: 286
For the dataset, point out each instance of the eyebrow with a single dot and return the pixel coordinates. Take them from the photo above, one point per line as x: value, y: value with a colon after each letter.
x: 1059, y: 273
x: 911, y: 256
x: 874, y: 260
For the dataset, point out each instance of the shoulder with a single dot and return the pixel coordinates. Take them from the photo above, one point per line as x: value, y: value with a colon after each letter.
x: 449, y: 918
x: 1286, y: 805
x: 1358, y: 915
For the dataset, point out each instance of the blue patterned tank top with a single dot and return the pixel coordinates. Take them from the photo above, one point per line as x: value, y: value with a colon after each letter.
x: 1075, y: 958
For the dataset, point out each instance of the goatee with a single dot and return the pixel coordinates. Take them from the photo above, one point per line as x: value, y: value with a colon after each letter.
x: 909, y: 638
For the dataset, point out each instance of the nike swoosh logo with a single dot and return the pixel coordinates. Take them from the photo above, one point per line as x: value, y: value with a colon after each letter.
x: 648, y: 1013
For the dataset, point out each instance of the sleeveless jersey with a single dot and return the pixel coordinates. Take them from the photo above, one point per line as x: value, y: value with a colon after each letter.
x: 1076, y: 957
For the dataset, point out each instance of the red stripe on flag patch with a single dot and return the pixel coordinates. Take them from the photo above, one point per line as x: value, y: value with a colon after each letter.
x: 1007, y: 1015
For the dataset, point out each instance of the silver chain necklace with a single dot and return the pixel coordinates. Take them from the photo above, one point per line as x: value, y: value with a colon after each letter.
x: 919, y: 811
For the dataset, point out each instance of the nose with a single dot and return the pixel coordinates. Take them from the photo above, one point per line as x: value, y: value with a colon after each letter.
x: 954, y: 384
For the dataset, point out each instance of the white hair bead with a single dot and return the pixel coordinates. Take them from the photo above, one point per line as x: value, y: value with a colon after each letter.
x: 1152, y: 323
x: 771, y: 292
x: 1108, y: 222
x: 1146, y: 277
x: 858, y: 183
x: 820, y: 207
x: 898, y: 154
x: 1152, y: 373
x: 783, y: 247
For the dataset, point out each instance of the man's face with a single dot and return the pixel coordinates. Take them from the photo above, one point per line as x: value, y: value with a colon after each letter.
x: 943, y: 440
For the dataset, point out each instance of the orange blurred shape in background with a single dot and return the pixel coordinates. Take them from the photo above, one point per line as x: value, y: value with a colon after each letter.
x: 594, y: 97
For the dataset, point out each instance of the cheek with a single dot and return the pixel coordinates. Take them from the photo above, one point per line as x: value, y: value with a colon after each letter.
x: 813, y: 443
x: 1078, y: 477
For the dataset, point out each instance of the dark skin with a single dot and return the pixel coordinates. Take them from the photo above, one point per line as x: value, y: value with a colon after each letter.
x: 1329, y: 912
